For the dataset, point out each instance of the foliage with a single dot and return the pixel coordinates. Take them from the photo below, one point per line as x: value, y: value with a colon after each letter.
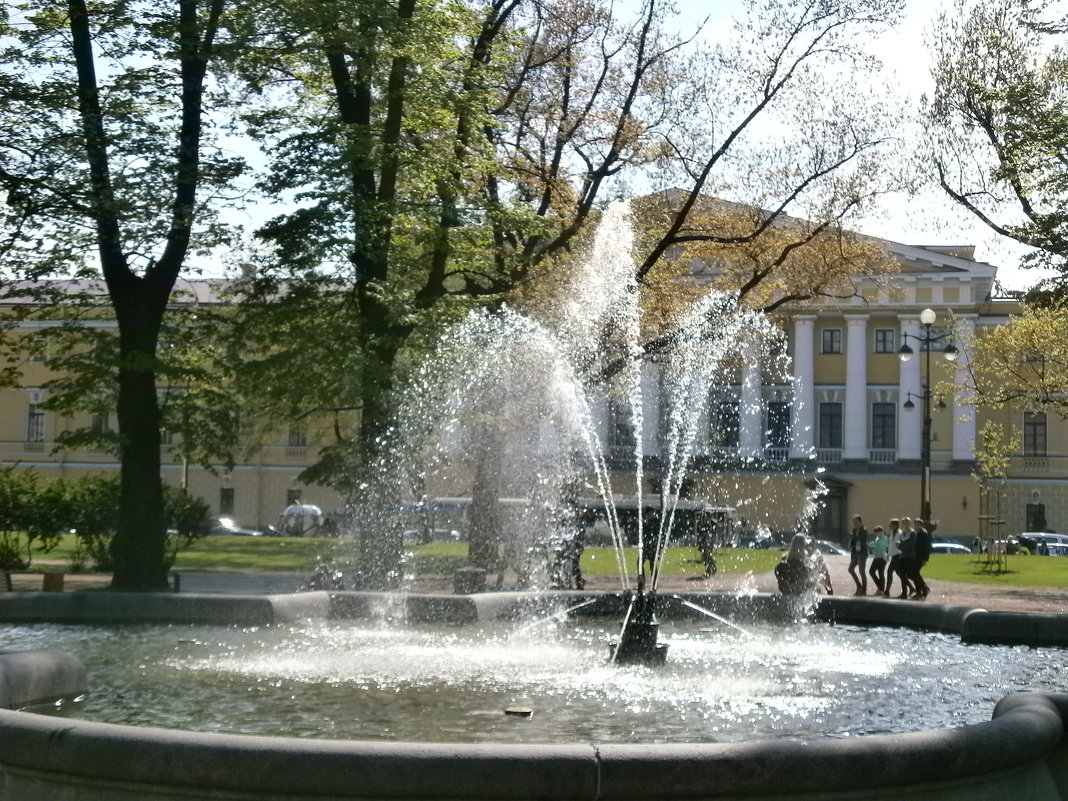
x: 998, y: 119
x: 456, y: 154
x: 110, y: 172
x: 38, y: 512
x: 94, y: 516
x: 996, y: 445
x: 1024, y: 363
x: 31, y: 517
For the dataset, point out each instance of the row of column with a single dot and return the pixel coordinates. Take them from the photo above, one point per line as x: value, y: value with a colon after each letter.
x: 856, y: 406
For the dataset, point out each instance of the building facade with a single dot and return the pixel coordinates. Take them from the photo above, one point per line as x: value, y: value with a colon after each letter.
x: 851, y: 418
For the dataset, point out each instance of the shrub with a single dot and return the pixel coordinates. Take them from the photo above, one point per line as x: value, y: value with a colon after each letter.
x: 95, y: 501
x: 32, y: 516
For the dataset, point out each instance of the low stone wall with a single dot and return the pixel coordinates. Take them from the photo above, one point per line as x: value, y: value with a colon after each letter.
x: 974, y: 625
x: 1021, y: 753
x: 1018, y: 754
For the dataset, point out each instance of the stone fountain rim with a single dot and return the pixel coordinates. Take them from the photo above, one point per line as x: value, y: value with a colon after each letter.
x: 40, y: 756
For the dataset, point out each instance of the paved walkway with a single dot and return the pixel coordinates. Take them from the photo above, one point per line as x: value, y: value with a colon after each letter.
x: 1049, y: 600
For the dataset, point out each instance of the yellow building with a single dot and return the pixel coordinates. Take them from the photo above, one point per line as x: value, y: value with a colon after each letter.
x: 852, y: 418
x: 253, y: 494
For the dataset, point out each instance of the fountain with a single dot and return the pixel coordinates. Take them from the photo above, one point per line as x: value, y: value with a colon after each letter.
x: 463, y: 424
x: 516, y: 402
x: 1020, y: 753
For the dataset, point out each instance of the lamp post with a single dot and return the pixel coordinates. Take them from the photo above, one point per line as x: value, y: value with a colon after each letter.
x: 926, y: 340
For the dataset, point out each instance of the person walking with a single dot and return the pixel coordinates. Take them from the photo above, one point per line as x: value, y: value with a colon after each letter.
x: 906, y: 563
x: 879, y: 546
x: 858, y: 555
x: 924, y: 541
x: 894, y: 554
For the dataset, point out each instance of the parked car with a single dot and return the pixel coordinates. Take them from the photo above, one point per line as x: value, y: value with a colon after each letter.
x: 1055, y: 544
x: 828, y: 548
x: 945, y: 546
x: 228, y: 527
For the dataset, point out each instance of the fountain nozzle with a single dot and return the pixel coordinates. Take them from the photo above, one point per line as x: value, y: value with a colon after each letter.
x: 638, y: 639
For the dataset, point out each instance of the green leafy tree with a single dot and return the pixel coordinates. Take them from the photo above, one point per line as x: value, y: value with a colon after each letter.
x: 32, y: 516
x: 452, y: 154
x: 106, y: 167
x: 998, y: 121
x: 1024, y: 363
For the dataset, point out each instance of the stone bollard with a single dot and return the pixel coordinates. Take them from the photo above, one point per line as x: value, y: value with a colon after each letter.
x: 52, y: 582
x: 469, y: 580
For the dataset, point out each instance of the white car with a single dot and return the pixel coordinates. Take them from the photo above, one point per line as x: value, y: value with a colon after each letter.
x: 949, y: 547
x: 828, y: 548
x: 1057, y: 544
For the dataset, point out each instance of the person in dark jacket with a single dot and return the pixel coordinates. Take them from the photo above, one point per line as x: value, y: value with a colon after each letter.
x: 924, y: 529
x: 858, y: 555
x: 906, y: 564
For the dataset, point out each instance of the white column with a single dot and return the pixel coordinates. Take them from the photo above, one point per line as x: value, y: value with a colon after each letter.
x: 803, y: 425
x: 910, y: 428
x: 855, y: 413
x: 750, y: 412
x: 964, y: 411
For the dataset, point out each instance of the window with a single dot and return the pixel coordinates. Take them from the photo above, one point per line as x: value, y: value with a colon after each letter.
x: 778, y: 424
x: 1036, y: 517
x: 884, y: 340
x: 832, y: 340
x: 226, y: 500
x: 35, y: 424
x: 298, y: 437
x: 1034, y: 434
x: 292, y: 497
x: 100, y: 423
x: 830, y: 425
x: 723, y: 424
x: 883, y: 425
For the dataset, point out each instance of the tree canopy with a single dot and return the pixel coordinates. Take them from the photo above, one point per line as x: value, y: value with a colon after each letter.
x: 424, y: 157
x: 456, y: 154
x: 108, y: 171
x: 998, y: 122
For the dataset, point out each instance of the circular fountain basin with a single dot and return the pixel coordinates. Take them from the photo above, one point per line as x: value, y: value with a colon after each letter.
x: 1019, y: 752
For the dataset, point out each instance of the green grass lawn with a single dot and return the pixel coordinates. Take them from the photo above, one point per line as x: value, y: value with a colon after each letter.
x: 1020, y: 571
x: 301, y: 555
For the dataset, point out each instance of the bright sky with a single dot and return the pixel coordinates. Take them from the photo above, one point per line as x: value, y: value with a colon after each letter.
x: 931, y: 218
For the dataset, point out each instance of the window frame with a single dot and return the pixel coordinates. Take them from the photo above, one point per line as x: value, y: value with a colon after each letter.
x: 831, y: 340
x: 724, y: 424
x: 35, y: 423
x: 885, y: 435
x: 831, y: 425
x: 880, y: 343
x: 1035, y: 429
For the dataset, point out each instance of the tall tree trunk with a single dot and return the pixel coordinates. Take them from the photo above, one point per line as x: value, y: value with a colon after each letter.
x: 139, y: 547
x: 485, y: 532
x: 380, y: 530
x: 140, y: 301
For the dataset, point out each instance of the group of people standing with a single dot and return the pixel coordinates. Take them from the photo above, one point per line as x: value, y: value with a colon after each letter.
x: 902, y: 552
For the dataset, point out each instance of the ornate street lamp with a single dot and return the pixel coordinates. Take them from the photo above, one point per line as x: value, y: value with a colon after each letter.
x: 926, y: 340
